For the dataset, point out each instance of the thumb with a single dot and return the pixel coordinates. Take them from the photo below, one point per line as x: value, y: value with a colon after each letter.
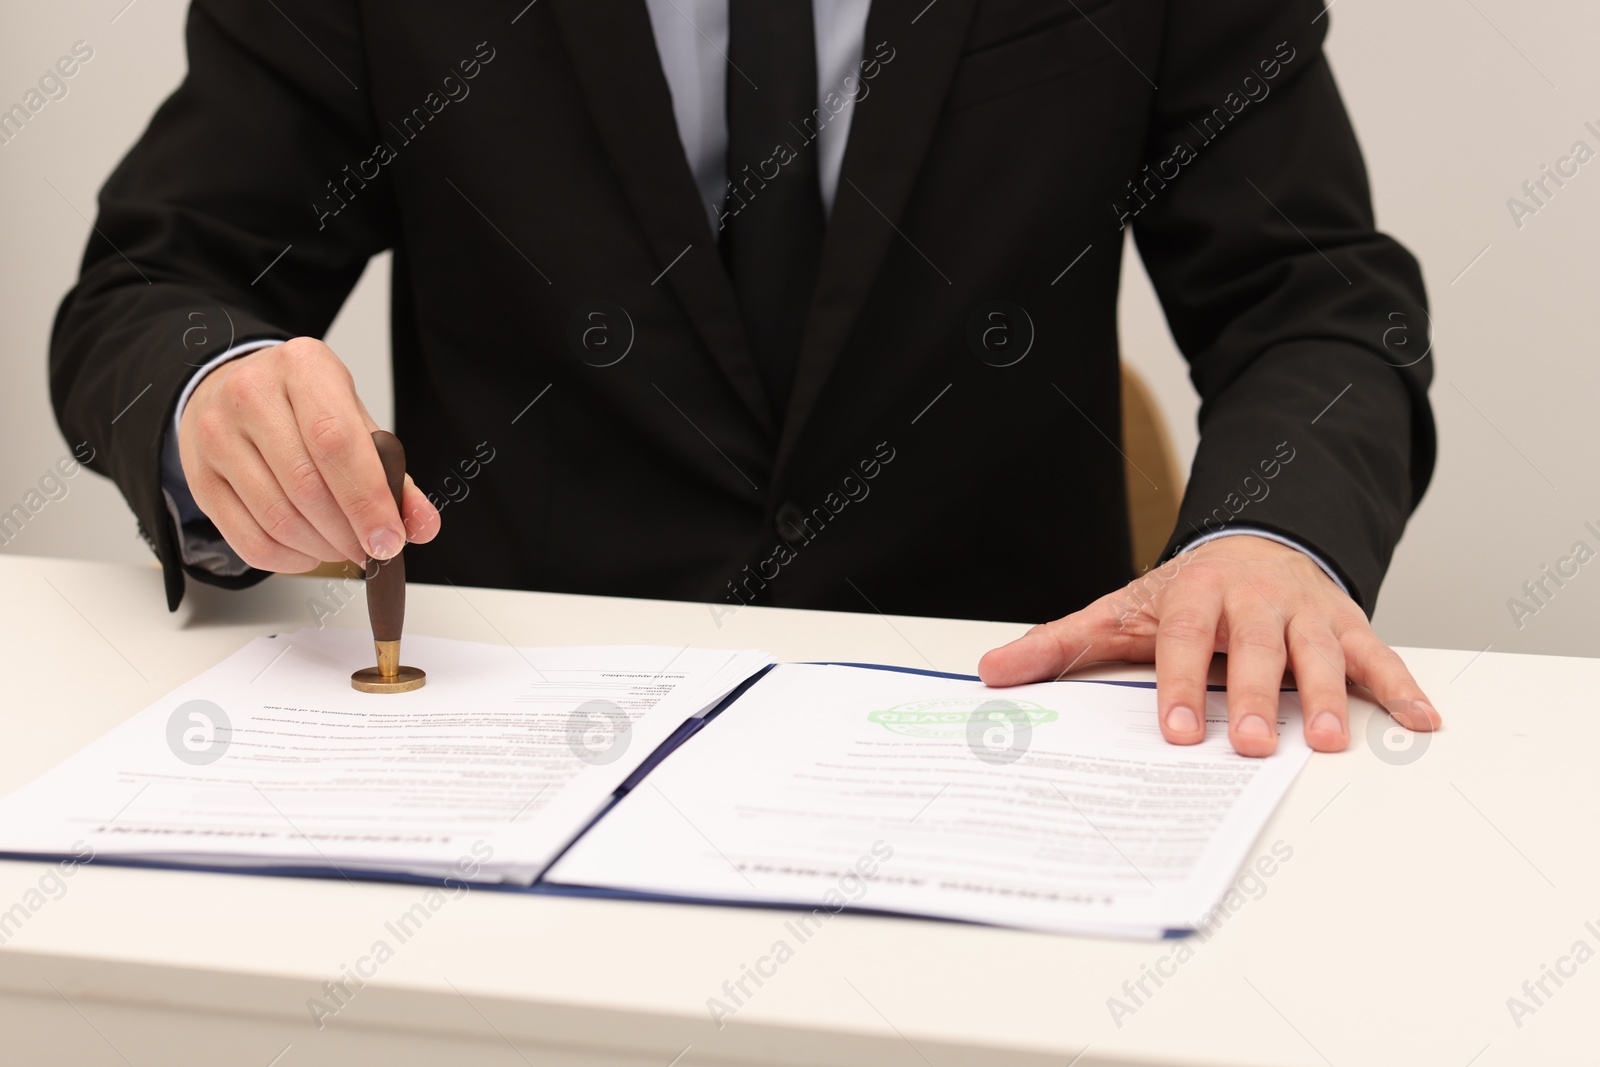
x: 1045, y: 653
x: 421, y: 517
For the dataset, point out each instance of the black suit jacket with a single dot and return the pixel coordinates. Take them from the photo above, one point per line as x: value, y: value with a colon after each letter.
x: 950, y: 446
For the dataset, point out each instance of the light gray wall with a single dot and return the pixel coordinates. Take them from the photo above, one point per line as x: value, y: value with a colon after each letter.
x: 1457, y: 104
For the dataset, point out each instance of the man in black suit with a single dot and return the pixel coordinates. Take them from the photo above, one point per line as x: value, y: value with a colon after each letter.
x: 767, y: 301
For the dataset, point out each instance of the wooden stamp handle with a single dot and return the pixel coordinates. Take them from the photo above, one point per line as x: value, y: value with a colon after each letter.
x: 386, y: 579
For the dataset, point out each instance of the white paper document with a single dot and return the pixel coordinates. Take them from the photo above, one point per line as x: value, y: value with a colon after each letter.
x: 1055, y: 806
x: 271, y: 759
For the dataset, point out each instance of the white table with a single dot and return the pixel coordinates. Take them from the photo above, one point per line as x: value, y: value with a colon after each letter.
x: 1419, y: 896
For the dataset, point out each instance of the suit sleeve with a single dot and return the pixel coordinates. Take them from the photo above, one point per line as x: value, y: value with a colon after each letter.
x: 1306, y: 329
x: 219, y: 227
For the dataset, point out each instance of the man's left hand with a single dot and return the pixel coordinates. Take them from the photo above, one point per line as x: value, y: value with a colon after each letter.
x: 1265, y: 605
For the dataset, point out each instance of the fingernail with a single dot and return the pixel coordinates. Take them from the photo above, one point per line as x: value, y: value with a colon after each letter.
x: 1327, y: 723
x: 1254, y: 726
x: 1180, y: 720
x: 1415, y: 714
x: 384, y: 544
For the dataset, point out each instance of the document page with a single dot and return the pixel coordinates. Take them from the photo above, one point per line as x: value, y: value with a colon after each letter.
x: 1055, y: 806
x: 272, y: 759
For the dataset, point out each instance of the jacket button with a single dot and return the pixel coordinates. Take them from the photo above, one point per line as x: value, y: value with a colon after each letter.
x: 790, y: 522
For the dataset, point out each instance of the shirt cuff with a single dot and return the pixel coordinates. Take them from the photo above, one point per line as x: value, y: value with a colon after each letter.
x: 199, y: 543
x: 1255, y: 531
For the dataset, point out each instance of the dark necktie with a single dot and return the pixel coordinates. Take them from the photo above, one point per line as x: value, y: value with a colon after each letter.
x: 772, y: 224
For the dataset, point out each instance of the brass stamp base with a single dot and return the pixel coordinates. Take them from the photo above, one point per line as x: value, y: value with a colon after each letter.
x: 371, y: 680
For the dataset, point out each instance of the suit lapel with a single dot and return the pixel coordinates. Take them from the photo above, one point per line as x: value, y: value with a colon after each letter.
x: 613, y: 51
x: 889, y: 135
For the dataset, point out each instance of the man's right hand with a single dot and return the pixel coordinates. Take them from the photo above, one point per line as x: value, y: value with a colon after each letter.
x: 277, y: 450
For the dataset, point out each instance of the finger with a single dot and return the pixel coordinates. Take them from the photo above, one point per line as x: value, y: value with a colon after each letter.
x: 1256, y: 657
x: 422, y: 518
x: 1051, y: 649
x: 255, y: 485
x: 334, y: 430
x: 1186, y: 638
x: 1373, y: 664
x: 277, y: 438
x: 1318, y: 665
x: 239, y: 528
